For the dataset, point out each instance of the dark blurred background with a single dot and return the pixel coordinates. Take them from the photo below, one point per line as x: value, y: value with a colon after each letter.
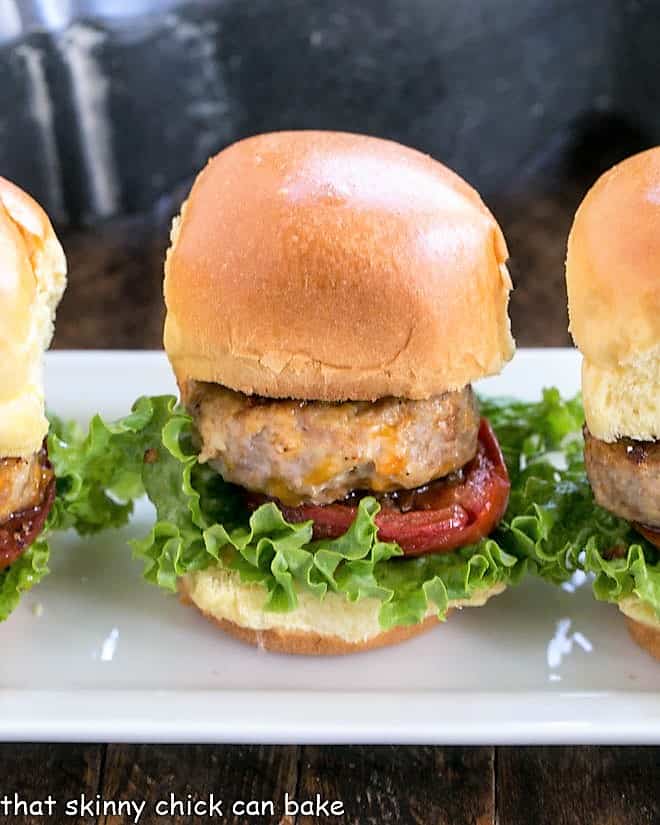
x: 109, y: 107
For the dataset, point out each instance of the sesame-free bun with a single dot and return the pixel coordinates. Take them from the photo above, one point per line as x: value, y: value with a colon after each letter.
x: 333, y: 266
x: 32, y: 279
x: 643, y: 625
x: 613, y: 278
x: 327, y: 626
x: 646, y: 636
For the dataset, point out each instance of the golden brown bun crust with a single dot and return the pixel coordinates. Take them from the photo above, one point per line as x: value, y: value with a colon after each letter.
x: 32, y: 279
x: 331, y: 266
x: 646, y: 636
x: 613, y: 279
x: 314, y: 644
x: 613, y: 263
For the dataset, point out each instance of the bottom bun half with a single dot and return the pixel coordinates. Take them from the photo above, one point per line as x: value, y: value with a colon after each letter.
x: 317, y: 627
x: 643, y: 625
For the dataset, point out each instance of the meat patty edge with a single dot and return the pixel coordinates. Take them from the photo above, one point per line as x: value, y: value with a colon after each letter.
x: 625, y: 477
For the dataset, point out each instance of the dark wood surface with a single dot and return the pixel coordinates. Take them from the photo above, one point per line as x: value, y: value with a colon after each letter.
x: 114, y: 300
x: 377, y: 785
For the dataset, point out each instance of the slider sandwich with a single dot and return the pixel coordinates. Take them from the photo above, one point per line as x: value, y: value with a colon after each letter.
x: 50, y: 478
x: 32, y: 279
x: 613, y: 278
x: 327, y: 483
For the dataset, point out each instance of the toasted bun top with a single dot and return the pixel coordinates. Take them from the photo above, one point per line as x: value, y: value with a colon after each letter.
x: 330, y: 266
x: 613, y: 278
x: 32, y: 279
x: 613, y: 263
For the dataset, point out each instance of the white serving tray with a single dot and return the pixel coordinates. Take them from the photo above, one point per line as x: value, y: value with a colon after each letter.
x: 95, y: 653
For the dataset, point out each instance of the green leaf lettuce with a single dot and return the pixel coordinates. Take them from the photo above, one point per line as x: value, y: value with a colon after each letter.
x: 96, y: 480
x: 552, y: 526
x: 552, y: 512
x: 201, y: 521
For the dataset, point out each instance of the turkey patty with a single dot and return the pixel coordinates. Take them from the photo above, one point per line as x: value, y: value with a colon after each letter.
x: 21, y: 484
x: 625, y: 477
x: 318, y: 452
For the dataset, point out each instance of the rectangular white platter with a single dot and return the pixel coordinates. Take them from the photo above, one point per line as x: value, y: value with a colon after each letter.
x: 94, y: 653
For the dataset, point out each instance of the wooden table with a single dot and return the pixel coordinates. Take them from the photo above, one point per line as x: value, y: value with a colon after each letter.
x: 379, y: 785
x: 114, y: 301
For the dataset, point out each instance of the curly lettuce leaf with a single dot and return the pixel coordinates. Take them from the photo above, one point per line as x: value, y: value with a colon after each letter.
x: 552, y: 526
x: 24, y: 573
x: 98, y: 474
x: 551, y: 503
x: 202, y: 521
x: 628, y: 568
x: 97, y: 478
x: 552, y: 513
